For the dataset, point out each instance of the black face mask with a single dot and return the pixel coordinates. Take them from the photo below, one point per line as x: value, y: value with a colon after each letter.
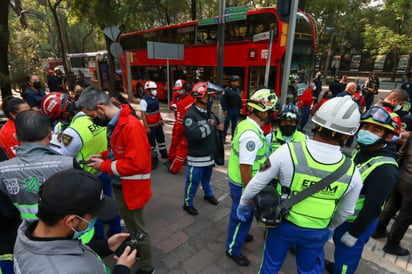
x: 101, y: 122
x: 287, y: 130
x: 37, y: 85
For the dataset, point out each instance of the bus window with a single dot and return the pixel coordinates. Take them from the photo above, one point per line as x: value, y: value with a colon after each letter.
x: 235, y: 30
x: 207, y: 34
x: 263, y: 22
x: 229, y: 71
x: 185, y: 35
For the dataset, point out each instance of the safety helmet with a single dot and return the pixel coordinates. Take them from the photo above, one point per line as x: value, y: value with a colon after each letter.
x: 54, y: 104
x: 201, y: 89
x: 380, y: 116
x: 234, y: 78
x: 150, y: 85
x: 263, y: 100
x: 289, y: 112
x: 179, y: 84
x: 339, y: 114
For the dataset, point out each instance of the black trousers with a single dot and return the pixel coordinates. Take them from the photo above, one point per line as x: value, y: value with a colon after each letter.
x: 400, y: 199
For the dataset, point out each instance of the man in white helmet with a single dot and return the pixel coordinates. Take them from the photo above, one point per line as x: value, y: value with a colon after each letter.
x: 153, y: 122
x: 309, y: 223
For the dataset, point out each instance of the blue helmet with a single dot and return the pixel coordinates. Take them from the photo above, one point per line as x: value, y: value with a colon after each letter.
x: 289, y: 112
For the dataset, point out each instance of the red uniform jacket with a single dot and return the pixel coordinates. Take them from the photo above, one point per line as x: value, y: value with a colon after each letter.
x: 132, y: 162
x: 8, y: 141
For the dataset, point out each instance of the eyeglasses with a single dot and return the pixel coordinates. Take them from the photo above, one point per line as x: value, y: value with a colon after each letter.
x: 378, y: 114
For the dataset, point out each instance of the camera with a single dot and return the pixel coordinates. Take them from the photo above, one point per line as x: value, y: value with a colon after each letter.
x: 134, y: 239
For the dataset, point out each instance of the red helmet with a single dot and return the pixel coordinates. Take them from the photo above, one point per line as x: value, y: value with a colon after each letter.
x: 179, y: 84
x: 201, y: 89
x: 54, y: 104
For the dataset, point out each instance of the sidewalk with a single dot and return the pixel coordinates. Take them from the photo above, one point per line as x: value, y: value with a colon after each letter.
x: 196, y: 244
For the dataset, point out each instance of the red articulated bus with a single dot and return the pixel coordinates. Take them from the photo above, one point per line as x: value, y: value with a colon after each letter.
x: 245, y: 52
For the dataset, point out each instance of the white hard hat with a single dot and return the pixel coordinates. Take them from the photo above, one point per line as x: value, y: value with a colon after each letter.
x: 150, y: 85
x: 339, y: 114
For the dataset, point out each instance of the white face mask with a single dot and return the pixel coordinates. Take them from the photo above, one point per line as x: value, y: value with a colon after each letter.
x: 180, y: 91
x: 154, y: 92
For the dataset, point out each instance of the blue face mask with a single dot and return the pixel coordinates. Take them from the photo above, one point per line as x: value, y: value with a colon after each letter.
x: 365, y: 137
x: 90, y: 225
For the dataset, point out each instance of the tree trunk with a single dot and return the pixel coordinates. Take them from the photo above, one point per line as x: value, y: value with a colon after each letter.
x: 4, y: 43
x: 193, y: 9
x: 112, y: 80
x: 63, y: 46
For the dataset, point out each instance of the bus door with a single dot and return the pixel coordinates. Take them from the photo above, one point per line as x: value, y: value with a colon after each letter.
x: 257, y: 79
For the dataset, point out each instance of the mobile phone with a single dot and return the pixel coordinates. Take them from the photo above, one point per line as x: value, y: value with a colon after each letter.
x: 83, y: 162
x: 134, y: 239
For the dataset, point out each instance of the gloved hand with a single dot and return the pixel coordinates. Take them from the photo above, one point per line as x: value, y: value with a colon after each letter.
x: 330, y: 233
x: 244, y: 212
x: 348, y: 239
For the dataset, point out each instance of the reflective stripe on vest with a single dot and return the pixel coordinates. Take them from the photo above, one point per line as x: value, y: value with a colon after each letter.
x: 234, y: 167
x: 317, y: 210
x: 365, y: 169
x: 6, y: 257
x: 27, y: 212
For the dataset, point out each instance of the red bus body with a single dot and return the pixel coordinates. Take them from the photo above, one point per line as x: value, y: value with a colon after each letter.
x: 242, y: 56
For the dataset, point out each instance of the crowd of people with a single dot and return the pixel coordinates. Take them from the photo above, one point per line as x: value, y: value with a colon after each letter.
x: 72, y: 162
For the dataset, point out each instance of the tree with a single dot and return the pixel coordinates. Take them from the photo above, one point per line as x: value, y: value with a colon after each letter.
x: 4, y: 42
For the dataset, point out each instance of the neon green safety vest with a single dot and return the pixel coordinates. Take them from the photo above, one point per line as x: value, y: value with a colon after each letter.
x: 93, y: 137
x: 317, y: 210
x: 278, y: 139
x: 365, y: 169
x: 234, y: 166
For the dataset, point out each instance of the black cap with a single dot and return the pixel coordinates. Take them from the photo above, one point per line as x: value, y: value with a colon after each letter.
x: 234, y: 78
x: 75, y: 191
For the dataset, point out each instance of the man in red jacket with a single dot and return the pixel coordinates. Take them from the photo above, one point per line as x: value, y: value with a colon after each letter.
x: 178, y: 147
x: 304, y: 105
x: 128, y: 162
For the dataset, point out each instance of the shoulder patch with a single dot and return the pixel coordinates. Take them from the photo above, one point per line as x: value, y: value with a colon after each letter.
x: 66, y: 139
x: 265, y: 165
x: 188, y: 122
x: 250, y: 146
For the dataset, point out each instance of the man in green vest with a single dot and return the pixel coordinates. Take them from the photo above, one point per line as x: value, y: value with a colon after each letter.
x: 246, y: 156
x: 379, y: 170
x: 288, y: 119
x: 299, y: 165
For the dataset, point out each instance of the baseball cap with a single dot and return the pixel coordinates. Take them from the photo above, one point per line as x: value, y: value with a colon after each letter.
x: 75, y: 191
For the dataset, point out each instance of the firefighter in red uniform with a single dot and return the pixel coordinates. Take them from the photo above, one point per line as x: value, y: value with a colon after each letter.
x: 178, y: 95
x: 178, y: 147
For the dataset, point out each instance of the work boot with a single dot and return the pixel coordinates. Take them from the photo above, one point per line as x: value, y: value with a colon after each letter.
x: 395, y: 250
x: 239, y: 259
x: 191, y: 210
x: 211, y: 199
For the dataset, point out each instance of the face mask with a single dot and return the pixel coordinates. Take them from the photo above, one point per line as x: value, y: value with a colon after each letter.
x: 154, y: 92
x: 90, y: 225
x: 287, y: 130
x: 365, y: 137
x: 101, y: 122
x: 397, y: 108
x: 180, y: 91
x: 37, y: 85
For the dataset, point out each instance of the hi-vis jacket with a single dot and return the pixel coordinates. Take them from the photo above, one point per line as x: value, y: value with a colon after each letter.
x: 21, y: 177
x: 132, y: 162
